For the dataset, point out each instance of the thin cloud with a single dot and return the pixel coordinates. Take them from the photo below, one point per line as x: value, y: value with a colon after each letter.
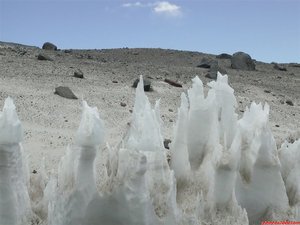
x: 134, y: 4
x: 167, y: 8
x: 161, y: 7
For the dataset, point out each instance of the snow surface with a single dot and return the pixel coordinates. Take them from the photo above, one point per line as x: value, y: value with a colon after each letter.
x: 222, y: 170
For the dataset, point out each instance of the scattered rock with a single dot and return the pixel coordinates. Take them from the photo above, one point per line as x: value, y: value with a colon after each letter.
x: 267, y: 91
x: 213, y: 71
x: 130, y: 110
x: 276, y: 125
x: 44, y: 57
x: 49, y: 46
x: 281, y: 101
x: 289, y: 102
x: 279, y: 67
x: 115, y: 81
x: 147, y: 84
x: 206, y: 63
x: 170, y: 110
x: 65, y: 92
x: 34, y: 172
x: 78, y: 73
x: 90, y: 57
x: 170, y: 120
x: 242, y: 61
x: 68, y: 51
x: 173, y: 83
x: 166, y: 143
x: 123, y: 104
x: 294, y: 64
x: 224, y: 56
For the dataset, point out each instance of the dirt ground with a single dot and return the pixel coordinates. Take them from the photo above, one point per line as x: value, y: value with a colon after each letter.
x: 50, y: 121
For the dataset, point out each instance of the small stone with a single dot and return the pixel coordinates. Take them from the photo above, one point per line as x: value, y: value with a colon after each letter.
x: 173, y: 83
x: 281, y: 101
x: 213, y: 71
x: 170, y: 120
x: 44, y: 57
x: 279, y: 67
x: 170, y: 110
x: 166, y: 143
x: 66, y: 121
x: 289, y: 102
x: 65, y: 92
x: 206, y: 63
x: 123, y: 104
x: 78, y: 74
x: 34, y: 172
x: 147, y: 84
x: 130, y: 110
x: 115, y: 81
x: 68, y: 51
x: 267, y: 91
x: 276, y: 125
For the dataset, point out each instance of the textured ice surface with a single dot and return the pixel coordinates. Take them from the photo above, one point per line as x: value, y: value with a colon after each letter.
x: 14, y: 199
x: 223, y: 170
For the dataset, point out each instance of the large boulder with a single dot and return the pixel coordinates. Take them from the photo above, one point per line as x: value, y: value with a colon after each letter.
x: 224, y: 56
x: 242, y: 61
x: 49, y: 46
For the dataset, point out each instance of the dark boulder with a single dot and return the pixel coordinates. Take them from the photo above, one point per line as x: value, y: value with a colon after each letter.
x: 242, y: 61
x: 279, y: 67
x: 206, y: 63
x: 49, y: 46
x: 44, y: 57
x: 147, y: 84
x: 65, y: 92
x: 289, y: 102
x: 78, y: 74
x: 68, y: 51
x: 213, y: 71
x: 224, y: 56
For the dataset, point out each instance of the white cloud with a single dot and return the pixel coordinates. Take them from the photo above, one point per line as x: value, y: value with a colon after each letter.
x: 162, y: 7
x: 134, y: 4
x: 167, y: 8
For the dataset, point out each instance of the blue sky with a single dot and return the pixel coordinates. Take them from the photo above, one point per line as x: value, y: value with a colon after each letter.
x: 269, y: 30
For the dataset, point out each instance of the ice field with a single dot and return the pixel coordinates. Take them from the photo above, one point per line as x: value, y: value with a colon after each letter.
x: 220, y: 169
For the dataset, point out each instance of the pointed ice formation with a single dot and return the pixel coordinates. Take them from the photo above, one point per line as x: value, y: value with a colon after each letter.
x: 260, y: 188
x: 222, y: 170
x: 76, y: 186
x: 202, y: 128
x: 179, y: 152
x: 14, y: 199
x: 289, y: 155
